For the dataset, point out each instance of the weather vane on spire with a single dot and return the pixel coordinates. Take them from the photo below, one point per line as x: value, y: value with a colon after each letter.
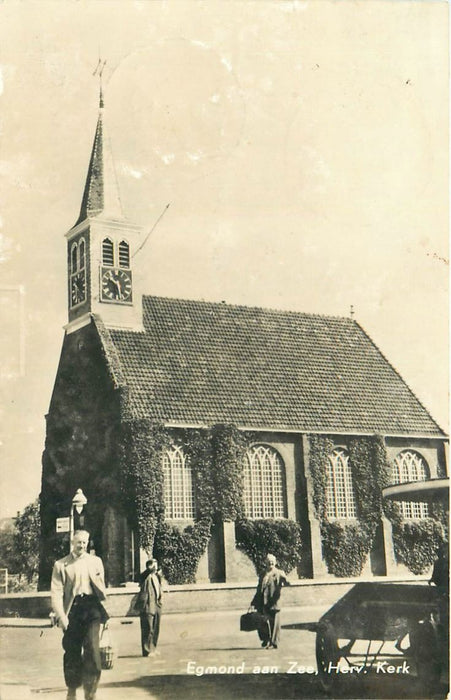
x: 99, y: 71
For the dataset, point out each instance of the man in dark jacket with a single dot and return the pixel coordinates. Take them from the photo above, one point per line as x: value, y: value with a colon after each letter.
x: 266, y: 601
x: 149, y: 605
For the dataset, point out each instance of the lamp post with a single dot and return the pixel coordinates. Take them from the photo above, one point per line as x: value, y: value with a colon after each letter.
x: 78, y: 503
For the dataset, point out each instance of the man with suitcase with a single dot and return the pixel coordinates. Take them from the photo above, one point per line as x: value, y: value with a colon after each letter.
x: 266, y: 601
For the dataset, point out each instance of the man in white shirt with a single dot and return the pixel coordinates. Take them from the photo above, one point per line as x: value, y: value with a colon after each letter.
x: 78, y: 586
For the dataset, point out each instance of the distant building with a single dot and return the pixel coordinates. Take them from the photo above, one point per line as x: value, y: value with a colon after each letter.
x: 192, y: 364
x: 6, y: 524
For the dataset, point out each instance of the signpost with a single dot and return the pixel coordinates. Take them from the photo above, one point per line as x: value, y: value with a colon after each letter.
x: 63, y: 524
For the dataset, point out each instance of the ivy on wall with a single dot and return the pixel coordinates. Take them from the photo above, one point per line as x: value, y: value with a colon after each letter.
x: 370, y: 474
x: 438, y: 511
x: 345, y: 547
x: 141, y: 446
x: 178, y: 552
x: 216, y: 458
x: 197, y: 445
x: 346, y: 544
x: 229, y: 448
x: 321, y: 447
x: 257, y: 538
x: 416, y: 543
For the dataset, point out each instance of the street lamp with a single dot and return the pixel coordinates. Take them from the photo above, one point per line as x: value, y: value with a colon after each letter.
x: 78, y: 503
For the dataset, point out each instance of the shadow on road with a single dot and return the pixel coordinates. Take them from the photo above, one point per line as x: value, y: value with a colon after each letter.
x: 224, y: 648
x: 281, y: 685
x: 309, y: 626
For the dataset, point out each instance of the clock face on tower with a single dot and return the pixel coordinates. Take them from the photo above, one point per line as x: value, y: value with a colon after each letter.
x: 77, y: 288
x: 116, y: 285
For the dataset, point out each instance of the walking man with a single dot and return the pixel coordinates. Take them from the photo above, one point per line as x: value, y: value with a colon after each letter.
x: 267, y: 601
x: 77, y: 589
x: 149, y: 606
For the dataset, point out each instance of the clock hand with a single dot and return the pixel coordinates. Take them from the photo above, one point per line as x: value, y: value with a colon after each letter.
x: 118, y: 287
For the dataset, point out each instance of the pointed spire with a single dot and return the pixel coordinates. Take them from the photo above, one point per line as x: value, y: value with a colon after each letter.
x: 101, y: 193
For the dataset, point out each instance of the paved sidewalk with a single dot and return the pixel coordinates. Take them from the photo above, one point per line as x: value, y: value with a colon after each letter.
x: 31, y: 655
x: 31, y: 662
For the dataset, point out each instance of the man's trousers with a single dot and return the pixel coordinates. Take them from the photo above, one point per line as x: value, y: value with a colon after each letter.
x: 81, y: 644
x: 269, y: 633
x: 150, y: 630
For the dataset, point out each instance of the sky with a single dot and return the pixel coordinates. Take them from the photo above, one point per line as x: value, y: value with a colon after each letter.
x: 302, y: 148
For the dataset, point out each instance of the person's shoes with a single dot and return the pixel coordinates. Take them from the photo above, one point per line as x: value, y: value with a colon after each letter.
x: 145, y: 653
x: 152, y: 653
x: 266, y: 645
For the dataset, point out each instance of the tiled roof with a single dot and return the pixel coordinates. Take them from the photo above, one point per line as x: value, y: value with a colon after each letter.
x: 205, y: 363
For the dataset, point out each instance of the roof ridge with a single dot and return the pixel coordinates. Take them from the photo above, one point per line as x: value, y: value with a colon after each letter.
x: 400, y: 376
x: 223, y: 304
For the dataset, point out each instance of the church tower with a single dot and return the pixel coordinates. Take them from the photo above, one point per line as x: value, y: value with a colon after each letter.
x: 100, y: 248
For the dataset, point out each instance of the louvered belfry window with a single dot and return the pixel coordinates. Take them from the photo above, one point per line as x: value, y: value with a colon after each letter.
x: 178, y: 485
x: 82, y: 255
x: 264, y: 483
x: 340, y: 500
x: 74, y: 258
x: 78, y: 256
x: 410, y: 466
x: 124, y: 254
x: 108, y: 252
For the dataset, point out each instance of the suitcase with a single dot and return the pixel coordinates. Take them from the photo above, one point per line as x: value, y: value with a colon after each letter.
x: 251, y: 621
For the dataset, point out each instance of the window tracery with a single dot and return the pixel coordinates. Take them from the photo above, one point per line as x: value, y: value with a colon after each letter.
x: 340, y: 499
x: 178, y: 485
x: 264, y: 483
x: 410, y: 466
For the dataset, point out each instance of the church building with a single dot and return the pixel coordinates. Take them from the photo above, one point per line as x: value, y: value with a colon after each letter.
x: 193, y: 427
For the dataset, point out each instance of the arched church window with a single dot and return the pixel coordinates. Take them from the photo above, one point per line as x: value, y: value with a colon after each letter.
x: 178, y: 485
x: 264, y: 483
x: 73, y: 258
x: 124, y: 254
x: 340, y: 500
x: 410, y: 466
x: 108, y: 252
x: 82, y: 256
